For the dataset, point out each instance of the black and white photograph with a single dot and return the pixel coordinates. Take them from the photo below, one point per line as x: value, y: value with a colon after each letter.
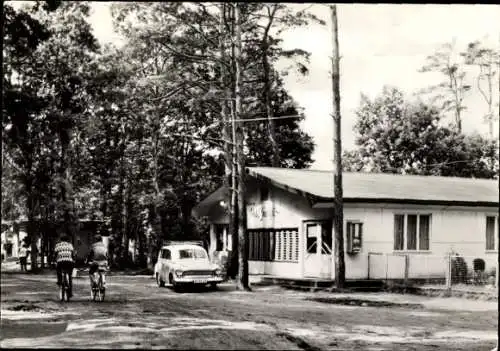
x: 250, y: 176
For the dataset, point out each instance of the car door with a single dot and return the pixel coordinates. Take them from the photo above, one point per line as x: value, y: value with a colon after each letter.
x: 159, y: 263
x: 167, y: 258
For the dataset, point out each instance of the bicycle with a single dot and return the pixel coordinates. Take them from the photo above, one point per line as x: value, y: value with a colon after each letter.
x: 98, y: 290
x: 64, y: 288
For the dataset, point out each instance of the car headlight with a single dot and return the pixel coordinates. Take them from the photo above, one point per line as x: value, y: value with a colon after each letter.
x: 217, y: 272
x: 178, y: 272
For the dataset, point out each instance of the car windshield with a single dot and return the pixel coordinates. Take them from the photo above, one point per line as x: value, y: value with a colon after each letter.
x: 192, y: 254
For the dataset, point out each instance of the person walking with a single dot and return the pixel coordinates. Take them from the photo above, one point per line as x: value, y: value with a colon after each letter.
x: 23, y: 257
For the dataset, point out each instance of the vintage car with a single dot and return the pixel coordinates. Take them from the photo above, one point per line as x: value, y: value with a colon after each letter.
x: 186, y: 263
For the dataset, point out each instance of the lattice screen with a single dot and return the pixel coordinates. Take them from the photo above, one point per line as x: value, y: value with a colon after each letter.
x: 274, y: 244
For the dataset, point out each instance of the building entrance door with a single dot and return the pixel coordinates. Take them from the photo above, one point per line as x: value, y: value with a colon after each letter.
x: 318, y: 249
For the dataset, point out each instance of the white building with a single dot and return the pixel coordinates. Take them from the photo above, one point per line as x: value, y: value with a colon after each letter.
x: 413, y: 221
x: 12, y: 239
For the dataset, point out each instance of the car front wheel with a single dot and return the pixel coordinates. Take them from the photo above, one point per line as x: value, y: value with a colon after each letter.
x: 159, y: 281
x: 175, y: 285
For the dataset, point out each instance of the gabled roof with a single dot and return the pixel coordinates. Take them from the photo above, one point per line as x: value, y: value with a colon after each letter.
x: 383, y: 186
x: 375, y: 187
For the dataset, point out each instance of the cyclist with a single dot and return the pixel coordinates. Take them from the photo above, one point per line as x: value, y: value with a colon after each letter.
x: 97, y: 258
x: 65, y: 260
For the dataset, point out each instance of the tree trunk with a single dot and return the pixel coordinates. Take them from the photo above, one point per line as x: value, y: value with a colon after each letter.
x: 66, y: 189
x: 240, y: 157
x: 338, y: 210
x: 154, y: 236
x: 458, y: 119
x: 187, y: 229
x: 31, y: 233
x: 275, y: 160
x: 105, y: 188
x: 233, y: 204
x: 142, y: 257
x: 490, y: 100
x: 124, y: 213
x: 155, y: 233
x: 42, y: 246
x: 227, y: 135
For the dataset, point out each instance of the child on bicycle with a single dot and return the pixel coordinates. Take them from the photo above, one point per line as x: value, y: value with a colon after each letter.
x: 65, y: 260
x: 97, y: 258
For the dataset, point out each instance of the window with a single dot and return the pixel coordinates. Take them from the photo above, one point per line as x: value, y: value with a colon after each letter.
x: 192, y: 254
x: 491, y: 232
x: 166, y: 254
x: 264, y: 194
x: 399, y: 224
x: 326, y: 238
x: 312, y: 237
x: 411, y: 232
x: 259, y: 245
x: 273, y: 244
x: 219, y: 237
x: 315, y: 230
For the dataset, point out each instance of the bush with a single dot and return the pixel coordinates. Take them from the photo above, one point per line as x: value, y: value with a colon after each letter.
x: 491, y: 272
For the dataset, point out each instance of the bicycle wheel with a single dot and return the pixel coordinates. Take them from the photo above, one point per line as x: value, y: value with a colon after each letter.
x: 63, y: 293
x: 66, y: 281
x: 102, y: 289
x: 95, y: 292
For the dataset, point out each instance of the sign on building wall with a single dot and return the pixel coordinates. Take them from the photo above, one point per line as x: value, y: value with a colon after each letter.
x: 262, y: 211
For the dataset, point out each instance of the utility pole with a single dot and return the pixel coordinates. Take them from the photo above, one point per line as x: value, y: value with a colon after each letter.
x: 240, y: 157
x: 338, y: 210
x: 227, y: 135
x: 498, y: 236
x: 230, y: 96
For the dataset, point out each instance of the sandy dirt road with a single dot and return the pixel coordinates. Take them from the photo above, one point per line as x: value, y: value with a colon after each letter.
x: 138, y: 314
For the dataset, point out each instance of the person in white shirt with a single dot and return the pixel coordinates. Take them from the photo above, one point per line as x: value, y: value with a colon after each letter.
x: 23, y: 258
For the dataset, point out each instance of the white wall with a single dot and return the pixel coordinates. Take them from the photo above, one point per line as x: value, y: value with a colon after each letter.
x: 461, y: 229
x: 290, y: 210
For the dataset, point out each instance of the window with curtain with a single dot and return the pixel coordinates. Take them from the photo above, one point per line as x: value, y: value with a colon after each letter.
x: 423, y: 235
x: 412, y: 232
x: 399, y: 223
x: 490, y: 232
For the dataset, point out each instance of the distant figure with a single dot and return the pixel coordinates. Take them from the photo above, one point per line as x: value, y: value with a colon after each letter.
x: 23, y: 258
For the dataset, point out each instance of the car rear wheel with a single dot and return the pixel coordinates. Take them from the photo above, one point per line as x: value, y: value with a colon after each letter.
x: 159, y: 281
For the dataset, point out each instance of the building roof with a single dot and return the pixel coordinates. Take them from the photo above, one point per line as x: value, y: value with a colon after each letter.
x: 377, y: 187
